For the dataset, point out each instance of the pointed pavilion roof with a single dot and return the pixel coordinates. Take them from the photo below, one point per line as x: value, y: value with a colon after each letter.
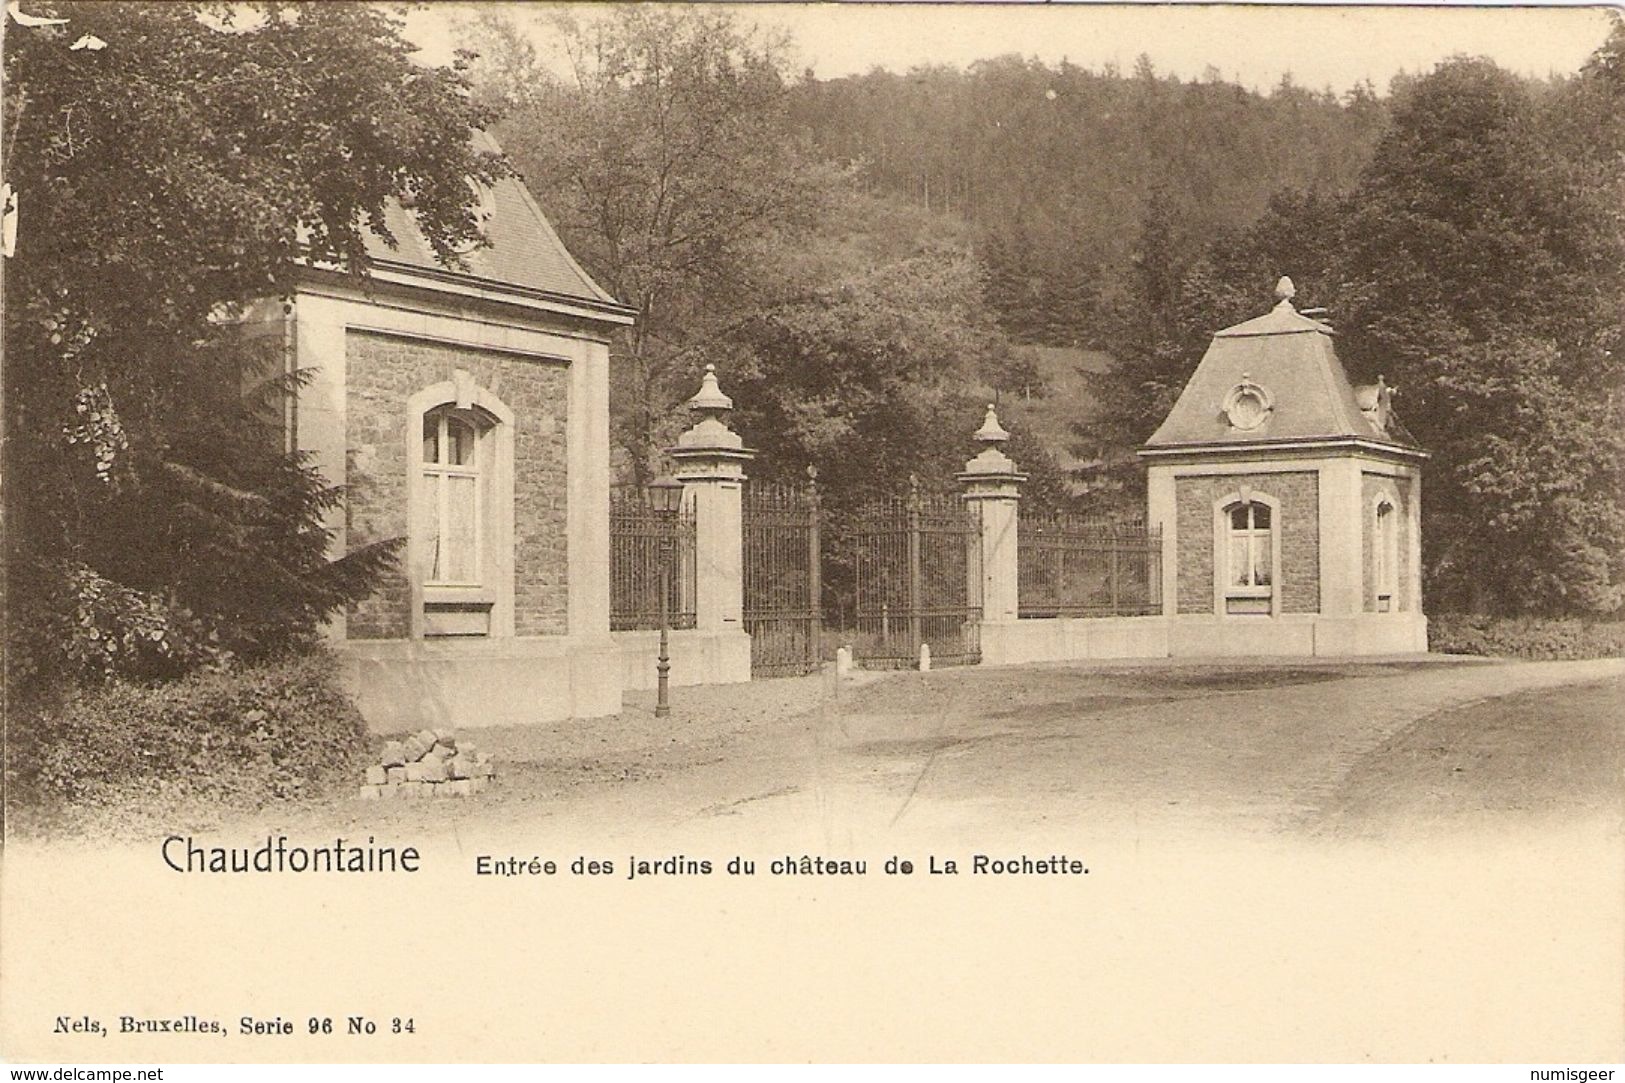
x: 1282, y: 370
x: 524, y: 251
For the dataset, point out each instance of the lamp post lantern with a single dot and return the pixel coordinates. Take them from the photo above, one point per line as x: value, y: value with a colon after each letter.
x: 666, y: 496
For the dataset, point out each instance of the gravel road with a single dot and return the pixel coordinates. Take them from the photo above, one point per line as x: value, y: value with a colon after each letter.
x: 1155, y: 750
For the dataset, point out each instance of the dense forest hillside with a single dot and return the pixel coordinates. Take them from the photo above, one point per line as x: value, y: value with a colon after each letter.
x: 1056, y: 167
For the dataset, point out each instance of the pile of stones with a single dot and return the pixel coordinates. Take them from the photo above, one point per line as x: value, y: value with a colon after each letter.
x: 429, y: 763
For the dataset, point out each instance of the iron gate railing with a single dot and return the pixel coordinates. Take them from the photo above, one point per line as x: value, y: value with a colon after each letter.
x: 1070, y: 566
x: 918, y: 580
x: 783, y: 611
x: 642, y: 538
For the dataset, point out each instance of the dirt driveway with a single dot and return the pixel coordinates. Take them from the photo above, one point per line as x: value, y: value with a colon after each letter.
x: 1095, y: 753
x: 1280, y: 857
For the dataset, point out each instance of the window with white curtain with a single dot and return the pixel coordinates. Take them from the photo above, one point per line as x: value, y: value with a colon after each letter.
x: 1250, y: 558
x: 451, y: 508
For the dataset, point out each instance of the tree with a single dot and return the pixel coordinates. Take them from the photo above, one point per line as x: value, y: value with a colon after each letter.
x: 505, y: 66
x: 1041, y: 289
x: 189, y: 166
x: 1157, y: 342
x: 664, y: 160
x: 846, y: 325
x: 1482, y: 270
x: 862, y: 376
x: 1064, y: 160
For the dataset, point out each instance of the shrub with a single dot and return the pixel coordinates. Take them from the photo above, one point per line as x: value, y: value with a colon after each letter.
x: 248, y: 735
x: 1526, y: 637
x: 73, y: 624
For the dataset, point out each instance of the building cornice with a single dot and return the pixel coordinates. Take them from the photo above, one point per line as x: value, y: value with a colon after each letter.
x: 411, y: 291
x: 469, y: 287
x: 1256, y: 447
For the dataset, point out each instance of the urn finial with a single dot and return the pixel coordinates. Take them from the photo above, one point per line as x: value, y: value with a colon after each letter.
x: 992, y: 432
x: 709, y: 398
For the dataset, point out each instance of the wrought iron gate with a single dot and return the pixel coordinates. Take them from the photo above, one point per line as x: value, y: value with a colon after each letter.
x: 782, y: 603
x: 917, y: 580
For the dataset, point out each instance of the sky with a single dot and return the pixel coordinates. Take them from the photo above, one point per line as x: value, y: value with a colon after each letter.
x: 1320, y: 46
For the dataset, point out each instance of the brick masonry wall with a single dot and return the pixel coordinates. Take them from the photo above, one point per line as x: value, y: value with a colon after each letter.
x: 1399, y: 491
x: 1299, y: 532
x: 382, y: 372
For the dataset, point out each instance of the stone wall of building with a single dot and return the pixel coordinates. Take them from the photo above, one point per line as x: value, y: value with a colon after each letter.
x: 1299, y: 533
x: 1397, y: 490
x: 382, y: 372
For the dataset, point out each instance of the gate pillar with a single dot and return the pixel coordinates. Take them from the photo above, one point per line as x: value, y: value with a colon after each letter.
x: 711, y: 462
x: 993, y: 490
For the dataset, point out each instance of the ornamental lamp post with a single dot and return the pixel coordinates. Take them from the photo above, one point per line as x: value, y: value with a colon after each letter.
x: 665, y: 497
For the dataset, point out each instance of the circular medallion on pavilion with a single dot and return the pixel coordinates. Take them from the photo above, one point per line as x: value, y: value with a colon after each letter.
x: 1247, y: 405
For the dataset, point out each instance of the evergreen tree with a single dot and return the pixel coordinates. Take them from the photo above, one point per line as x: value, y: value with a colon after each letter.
x: 166, y: 179
x: 1155, y: 340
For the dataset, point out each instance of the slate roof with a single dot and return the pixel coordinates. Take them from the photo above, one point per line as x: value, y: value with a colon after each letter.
x: 525, y: 251
x: 1291, y: 357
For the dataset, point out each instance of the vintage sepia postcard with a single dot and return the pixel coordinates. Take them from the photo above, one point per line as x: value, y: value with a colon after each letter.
x: 813, y: 533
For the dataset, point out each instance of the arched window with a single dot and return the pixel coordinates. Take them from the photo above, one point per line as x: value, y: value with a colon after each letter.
x: 1385, y: 557
x: 452, y: 502
x: 1247, y: 563
x: 460, y: 553
x: 1250, y: 545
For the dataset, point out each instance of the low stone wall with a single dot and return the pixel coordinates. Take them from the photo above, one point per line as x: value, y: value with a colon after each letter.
x: 696, y: 658
x: 402, y: 685
x: 1065, y: 639
x: 1214, y: 637
x: 1298, y: 635
x: 1372, y: 633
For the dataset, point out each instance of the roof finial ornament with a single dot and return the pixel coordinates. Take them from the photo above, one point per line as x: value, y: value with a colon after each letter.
x: 1285, y: 290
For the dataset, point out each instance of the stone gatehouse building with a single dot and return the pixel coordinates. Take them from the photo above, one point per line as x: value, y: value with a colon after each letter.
x: 1289, y: 501
x: 466, y: 411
